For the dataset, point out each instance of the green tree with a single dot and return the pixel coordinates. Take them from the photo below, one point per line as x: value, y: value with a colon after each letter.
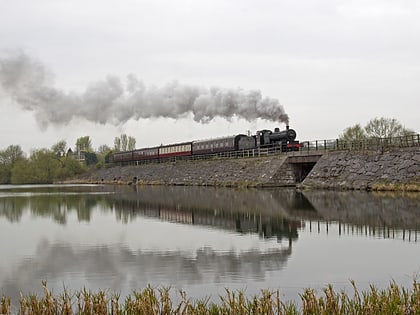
x: 354, y: 133
x: 59, y: 148
x: 117, y: 144
x: 44, y: 167
x: 84, y: 144
x: 8, y: 158
x: 69, y: 167
x: 104, y: 149
x: 124, y: 143
x: 131, y: 143
x: 41, y: 168
x: 90, y: 158
x: 103, y: 155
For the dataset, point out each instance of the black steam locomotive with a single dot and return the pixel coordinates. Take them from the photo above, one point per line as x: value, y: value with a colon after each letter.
x: 284, y: 140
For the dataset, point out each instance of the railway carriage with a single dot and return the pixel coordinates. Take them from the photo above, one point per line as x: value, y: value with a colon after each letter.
x: 226, y: 144
x: 146, y: 154
x: 179, y: 149
x: 121, y: 157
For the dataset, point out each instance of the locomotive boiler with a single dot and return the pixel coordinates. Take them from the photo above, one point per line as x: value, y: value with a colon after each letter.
x: 284, y: 139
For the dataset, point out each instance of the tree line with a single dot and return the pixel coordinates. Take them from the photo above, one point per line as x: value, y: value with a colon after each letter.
x: 376, y: 128
x: 45, y: 166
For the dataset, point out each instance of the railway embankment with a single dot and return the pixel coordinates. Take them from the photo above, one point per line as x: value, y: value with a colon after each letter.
x: 366, y: 170
x: 340, y: 170
x: 250, y: 172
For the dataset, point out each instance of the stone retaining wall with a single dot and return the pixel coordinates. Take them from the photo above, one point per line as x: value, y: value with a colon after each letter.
x: 334, y: 170
x: 251, y: 172
x: 365, y: 169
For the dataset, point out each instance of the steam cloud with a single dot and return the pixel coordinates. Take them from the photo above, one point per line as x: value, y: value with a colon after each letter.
x: 28, y: 83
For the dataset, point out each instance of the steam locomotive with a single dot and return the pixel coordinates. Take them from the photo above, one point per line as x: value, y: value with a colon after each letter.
x: 283, y: 140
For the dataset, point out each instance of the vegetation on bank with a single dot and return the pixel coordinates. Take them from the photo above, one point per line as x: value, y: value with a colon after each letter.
x: 392, y: 300
x: 410, y: 187
x: 46, y: 166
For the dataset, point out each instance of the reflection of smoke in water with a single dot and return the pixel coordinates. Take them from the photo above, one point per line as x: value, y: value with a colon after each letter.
x: 25, y: 80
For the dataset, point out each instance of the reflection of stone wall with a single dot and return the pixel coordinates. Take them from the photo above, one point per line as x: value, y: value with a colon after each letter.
x: 371, y: 209
x: 267, y: 202
x: 361, y: 170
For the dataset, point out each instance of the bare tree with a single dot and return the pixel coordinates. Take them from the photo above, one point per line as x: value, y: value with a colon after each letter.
x: 384, y: 128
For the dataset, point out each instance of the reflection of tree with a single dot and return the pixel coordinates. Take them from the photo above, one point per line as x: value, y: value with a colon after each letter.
x: 50, y: 206
x: 53, y: 206
x: 12, y: 207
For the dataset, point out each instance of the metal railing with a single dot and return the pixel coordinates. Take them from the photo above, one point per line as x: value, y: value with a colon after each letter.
x: 365, y: 144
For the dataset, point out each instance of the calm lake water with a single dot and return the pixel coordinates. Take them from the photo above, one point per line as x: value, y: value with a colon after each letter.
x: 204, y: 240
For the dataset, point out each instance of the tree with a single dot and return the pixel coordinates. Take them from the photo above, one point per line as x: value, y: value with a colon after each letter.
x: 376, y: 128
x: 117, y: 144
x: 385, y: 128
x: 84, y: 144
x: 59, y: 148
x: 354, y: 133
x: 44, y: 167
x: 91, y: 158
x: 124, y: 143
x: 8, y: 158
x: 11, y: 154
x: 41, y: 168
x: 104, y: 149
x: 131, y: 143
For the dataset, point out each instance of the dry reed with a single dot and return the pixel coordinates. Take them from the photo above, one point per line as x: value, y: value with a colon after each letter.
x: 392, y: 300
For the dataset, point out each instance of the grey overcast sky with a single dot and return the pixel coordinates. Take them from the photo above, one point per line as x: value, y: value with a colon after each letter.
x: 329, y: 63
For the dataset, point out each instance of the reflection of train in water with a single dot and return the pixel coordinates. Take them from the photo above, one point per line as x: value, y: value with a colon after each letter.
x: 267, y: 227
x: 285, y: 140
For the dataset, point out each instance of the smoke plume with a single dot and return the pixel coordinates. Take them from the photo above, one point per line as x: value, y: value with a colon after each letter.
x: 28, y: 83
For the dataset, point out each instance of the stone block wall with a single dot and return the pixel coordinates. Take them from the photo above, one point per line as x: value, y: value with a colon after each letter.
x: 364, y: 169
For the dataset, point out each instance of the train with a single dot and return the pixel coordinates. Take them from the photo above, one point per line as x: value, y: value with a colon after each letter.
x: 284, y: 140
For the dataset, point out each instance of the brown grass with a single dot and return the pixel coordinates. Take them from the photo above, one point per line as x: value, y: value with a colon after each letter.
x: 392, y: 300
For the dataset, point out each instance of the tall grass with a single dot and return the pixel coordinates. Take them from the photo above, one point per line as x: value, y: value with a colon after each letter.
x: 392, y: 300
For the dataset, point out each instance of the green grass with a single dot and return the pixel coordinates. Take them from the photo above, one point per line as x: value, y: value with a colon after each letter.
x: 392, y: 300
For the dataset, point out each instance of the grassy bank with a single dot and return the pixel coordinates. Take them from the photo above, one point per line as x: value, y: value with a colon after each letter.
x: 392, y: 300
x: 411, y: 187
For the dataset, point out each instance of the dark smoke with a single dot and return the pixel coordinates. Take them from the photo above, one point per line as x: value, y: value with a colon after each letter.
x: 28, y: 83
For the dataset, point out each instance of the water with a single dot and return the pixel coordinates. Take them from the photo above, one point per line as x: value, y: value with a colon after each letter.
x: 203, y: 240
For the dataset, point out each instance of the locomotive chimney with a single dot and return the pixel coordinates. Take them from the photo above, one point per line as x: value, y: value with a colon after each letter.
x: 287, y: 127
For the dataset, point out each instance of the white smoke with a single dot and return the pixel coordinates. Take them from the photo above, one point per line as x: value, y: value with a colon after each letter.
x: 112, y: 101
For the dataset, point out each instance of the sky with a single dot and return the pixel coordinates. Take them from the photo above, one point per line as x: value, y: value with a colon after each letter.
x: 173, y: 71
